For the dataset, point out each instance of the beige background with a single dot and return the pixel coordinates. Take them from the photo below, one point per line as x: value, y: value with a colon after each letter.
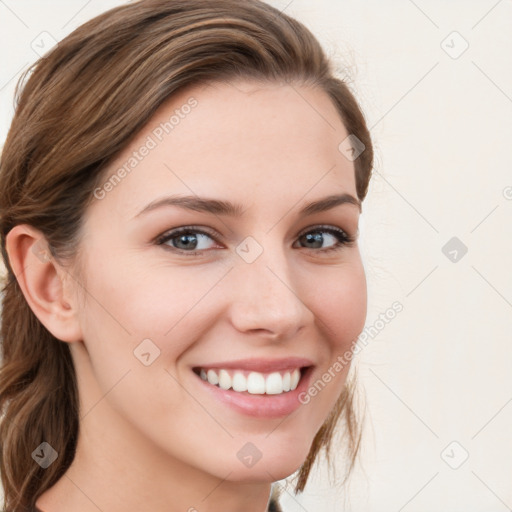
x: 438, y: 377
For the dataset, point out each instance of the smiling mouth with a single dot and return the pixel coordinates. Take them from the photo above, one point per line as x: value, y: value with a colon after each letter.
x: 251, y: 382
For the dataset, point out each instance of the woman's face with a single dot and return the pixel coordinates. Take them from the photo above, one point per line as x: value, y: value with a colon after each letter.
x: 240, y: 294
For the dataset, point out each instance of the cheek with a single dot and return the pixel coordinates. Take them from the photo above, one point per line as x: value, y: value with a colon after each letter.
x: 342, y: 306
x: 153, y: 300
x: 136, y: 314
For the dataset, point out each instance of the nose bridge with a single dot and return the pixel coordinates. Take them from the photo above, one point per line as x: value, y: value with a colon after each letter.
x: 266, y: 295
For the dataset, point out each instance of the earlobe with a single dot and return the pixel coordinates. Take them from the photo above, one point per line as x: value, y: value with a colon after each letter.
x: 42, y: 281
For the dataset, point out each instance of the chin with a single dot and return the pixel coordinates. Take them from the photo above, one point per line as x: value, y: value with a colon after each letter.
x: 278, y: 467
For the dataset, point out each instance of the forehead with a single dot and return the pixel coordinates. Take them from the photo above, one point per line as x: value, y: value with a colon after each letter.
x: 243, y: 140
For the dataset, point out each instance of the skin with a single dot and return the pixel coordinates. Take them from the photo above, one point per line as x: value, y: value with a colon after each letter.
x: 151, y: 438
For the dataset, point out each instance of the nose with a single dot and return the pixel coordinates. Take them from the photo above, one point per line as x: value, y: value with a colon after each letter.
x: 265, y: 298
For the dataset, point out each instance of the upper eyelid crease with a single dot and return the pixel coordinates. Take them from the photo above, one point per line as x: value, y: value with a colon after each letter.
x: 211, y: 233
x: 220, y: 207
x: 337, y: 232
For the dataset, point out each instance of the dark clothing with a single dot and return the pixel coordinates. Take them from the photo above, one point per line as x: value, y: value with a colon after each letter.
x: 274, y: 506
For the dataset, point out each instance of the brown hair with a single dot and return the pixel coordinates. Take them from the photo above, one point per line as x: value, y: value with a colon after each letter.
x: 77, y: 108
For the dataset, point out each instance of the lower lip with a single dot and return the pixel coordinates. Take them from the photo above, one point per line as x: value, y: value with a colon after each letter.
x: 261, y: 406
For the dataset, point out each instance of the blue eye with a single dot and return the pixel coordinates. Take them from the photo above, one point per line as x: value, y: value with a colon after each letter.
x: 316, y: 237
x: 185, y: 239
x: 193, y: 241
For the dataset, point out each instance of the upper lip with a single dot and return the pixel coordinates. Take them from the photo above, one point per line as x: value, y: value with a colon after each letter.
x: 261, y: 365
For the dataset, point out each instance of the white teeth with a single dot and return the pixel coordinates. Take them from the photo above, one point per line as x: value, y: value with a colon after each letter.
x: 274, y: 384
x: 295, y: 377
x: 213, y: 378
x: 255, y: 383
x: 287, y: 380
x: 239, y: 382
x: 224, y: 379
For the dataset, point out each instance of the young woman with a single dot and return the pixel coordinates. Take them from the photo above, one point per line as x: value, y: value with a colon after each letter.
x: 180, y: 192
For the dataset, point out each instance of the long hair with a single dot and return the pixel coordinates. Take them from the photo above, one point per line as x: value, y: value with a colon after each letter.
x: 76, y: 108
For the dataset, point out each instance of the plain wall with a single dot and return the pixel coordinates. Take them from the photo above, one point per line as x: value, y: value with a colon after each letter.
x: 438, y: 376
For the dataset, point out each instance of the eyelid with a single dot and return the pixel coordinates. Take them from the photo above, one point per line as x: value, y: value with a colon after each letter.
x: 319, y: 227
x: 179, y: 229
x: 347, y: 238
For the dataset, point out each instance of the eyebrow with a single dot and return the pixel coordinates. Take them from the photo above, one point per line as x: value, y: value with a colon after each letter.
x: 220, y: 207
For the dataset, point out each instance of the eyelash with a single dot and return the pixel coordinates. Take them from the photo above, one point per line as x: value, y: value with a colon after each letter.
x: 343, y: 238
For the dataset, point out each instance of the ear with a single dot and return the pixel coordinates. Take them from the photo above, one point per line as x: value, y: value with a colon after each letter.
x: 44, y: 283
